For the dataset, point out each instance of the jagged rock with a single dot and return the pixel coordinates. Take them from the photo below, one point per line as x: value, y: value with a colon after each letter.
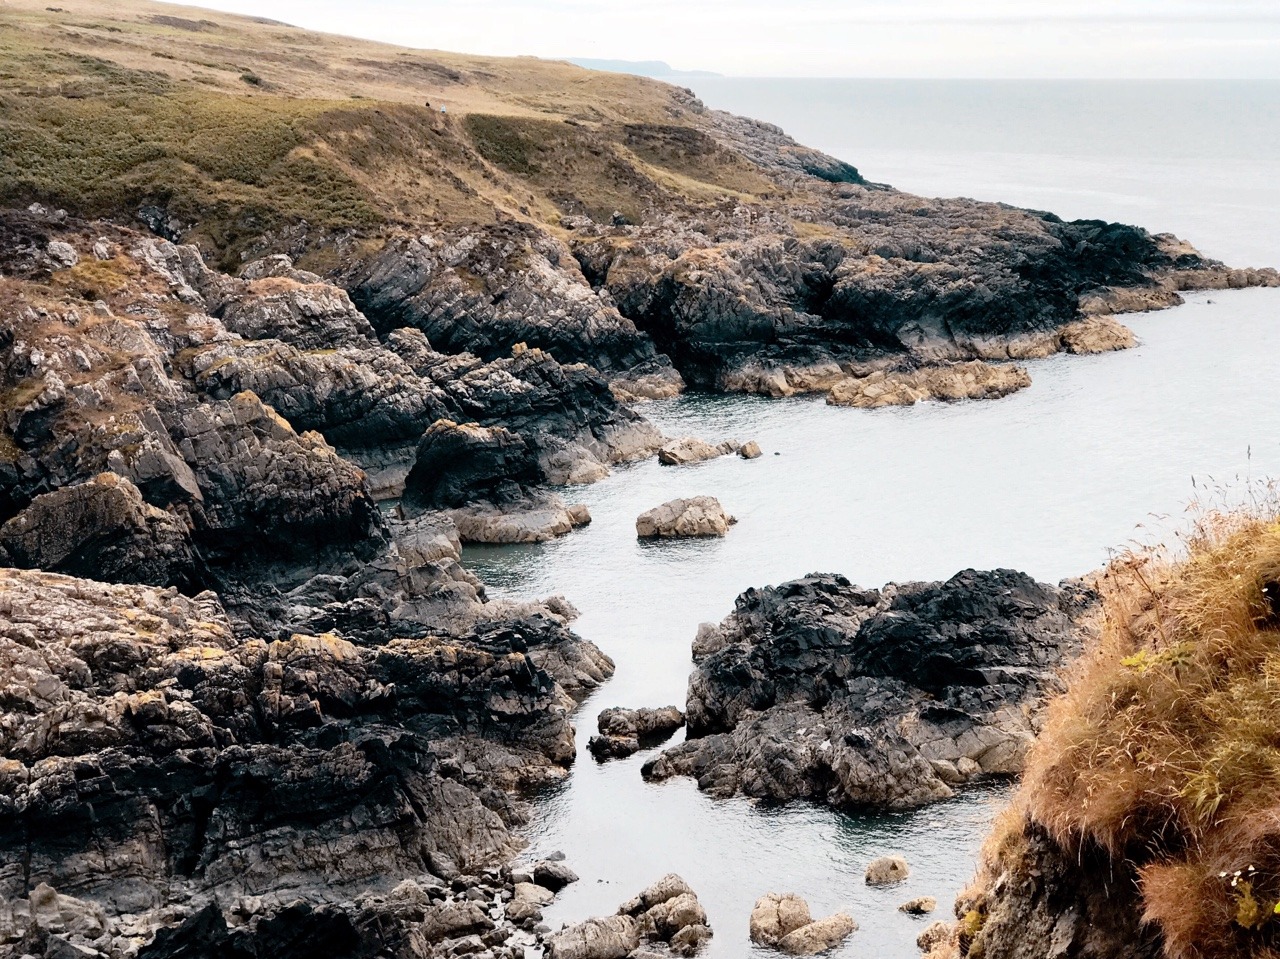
x: 775, y: 916
x: 818, y: 936
x: 610, y: 937
x: 698, y: 516
x: 348, y: 749
x: 485, y: 289
x: 258, y: 476
x: 690, y: 449
x: 309, y: 315
x: 948, y: 382
x: 624, y: 732
x: 920, y: 906
x: 103, y: 529
x: 887, y: 870
x: 819, y: 689
x: 459, y: 463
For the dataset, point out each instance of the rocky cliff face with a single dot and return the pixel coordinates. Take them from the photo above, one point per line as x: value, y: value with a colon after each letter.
x: 819, y: 689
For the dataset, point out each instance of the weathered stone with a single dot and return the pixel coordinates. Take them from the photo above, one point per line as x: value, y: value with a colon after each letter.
x: 920, y: 906
x: 818, y: 936
x: 682, y: 518
x: 611, y: 937
x: 775, y: 916
x: 887, y: 870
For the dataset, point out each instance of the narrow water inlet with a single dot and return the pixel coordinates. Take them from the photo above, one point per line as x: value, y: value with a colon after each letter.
x: 1098, y: 452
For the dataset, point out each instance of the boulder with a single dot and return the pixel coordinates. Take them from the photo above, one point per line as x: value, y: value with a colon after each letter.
x: 775, y: 916
x: 1097, y: 335
x: 886, y: 870
x: 624, y: 732
x: 610, y: 937
x: 697, y: 516
x: 690, y: 449
x: 750, y: 450
x: 818, y: 936
x: 553, y: 875
x: 920, y: 906
x: 933, y: 935
x: 102, y: 529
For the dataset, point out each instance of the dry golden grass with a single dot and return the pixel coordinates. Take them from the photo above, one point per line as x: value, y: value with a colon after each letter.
x: 242, y: 129
x: 1165, y: 749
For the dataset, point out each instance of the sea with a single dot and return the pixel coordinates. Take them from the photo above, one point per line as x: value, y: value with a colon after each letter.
x: 1100, y: 454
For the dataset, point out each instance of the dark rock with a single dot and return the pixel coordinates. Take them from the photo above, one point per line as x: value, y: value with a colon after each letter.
x: 102, y: 529
x: 458, y: 464
x: 820, y: 689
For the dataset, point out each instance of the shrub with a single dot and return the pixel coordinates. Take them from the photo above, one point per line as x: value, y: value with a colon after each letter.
x: 1165, y: 749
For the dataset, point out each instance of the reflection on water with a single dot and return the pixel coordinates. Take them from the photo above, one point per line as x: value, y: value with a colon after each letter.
x: 1098, y: 452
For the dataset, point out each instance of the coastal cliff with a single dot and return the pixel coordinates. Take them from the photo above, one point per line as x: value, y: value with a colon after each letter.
x: 285, y: 319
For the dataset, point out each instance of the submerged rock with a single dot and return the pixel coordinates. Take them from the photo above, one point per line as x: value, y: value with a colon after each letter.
x: 920, y: 906
x: 698, y: 516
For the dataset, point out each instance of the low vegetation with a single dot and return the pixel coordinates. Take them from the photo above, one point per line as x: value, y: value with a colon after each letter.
x: 228, y: 130
x: 1165, y: 750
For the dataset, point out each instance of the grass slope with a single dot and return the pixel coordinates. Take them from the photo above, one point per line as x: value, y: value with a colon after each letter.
x: 243, y: 127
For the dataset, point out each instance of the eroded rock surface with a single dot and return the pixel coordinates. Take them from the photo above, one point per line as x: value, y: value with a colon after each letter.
x: 624, y: 732
x: 666, y: 916
x: 892, y: 698
x: 684, y: 518
x: 949, y: 382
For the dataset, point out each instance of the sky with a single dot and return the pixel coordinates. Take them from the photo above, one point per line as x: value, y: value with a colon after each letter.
x: 831, y: 38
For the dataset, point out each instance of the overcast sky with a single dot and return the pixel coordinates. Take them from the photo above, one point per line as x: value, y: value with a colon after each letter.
x: 857, y: 38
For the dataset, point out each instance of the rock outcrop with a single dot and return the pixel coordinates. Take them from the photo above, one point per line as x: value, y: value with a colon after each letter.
x: 667, y: 915
x: 891, y: 698
x: 624, y: 732
x: 684, y: 518
x: 158, y: 762
x: 949, y: 382
x: 886, y: 870
x: 784, y: 922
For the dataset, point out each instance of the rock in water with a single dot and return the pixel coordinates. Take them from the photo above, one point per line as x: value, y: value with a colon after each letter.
x: 920, y: 906
x: 887, y: 870
x: 974, y: 380
x: 625, y: 731
x: 698, y: 516
x: 818, y: 936
x: 820, y: 689
x: 750, y: 450
x: 690, y: 449
x: 775, y: 916
x: 610, y: 937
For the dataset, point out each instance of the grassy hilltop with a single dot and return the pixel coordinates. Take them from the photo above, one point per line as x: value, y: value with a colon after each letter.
x: 244, y: 126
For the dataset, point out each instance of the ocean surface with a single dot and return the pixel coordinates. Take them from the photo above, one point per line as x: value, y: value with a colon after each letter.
x: 1101, y: 452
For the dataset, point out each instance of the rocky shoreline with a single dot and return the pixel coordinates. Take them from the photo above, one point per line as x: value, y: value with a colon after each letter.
x: 252, y: 703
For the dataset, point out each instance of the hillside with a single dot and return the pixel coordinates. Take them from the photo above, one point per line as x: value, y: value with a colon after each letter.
x: 237, y: 126
x: 746, y: 260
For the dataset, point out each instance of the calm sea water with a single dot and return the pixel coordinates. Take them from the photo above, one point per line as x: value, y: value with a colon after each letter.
x: 1099, y: 452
